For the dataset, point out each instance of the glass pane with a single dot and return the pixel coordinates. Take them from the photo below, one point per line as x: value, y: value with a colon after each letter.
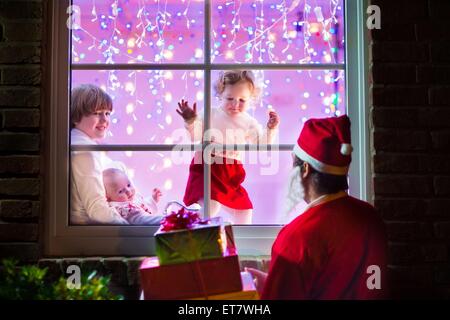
x: 266, y: 182
x: 166, y: 171
x: 295, y: 95
x: 273, y: 31
x: 137, y: 31
x: 145, y: 103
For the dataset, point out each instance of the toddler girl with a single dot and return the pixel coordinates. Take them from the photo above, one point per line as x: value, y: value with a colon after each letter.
x: 230, y: 124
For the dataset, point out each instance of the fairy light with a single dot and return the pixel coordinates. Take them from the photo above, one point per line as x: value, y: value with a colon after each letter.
x: 168, y: 54
x: 131, y: 43
x: 129, y: 108
x: 314, y: 28
x: 167, y: 163
x: 168, y: 140
x: 199, y: 74
x: 168, y: 184
x: 198, y: 53
x: 129, y: 87
x: 168, y: 97
x: 168, y: 75
x: 130, y: 130
x: 229, y: 55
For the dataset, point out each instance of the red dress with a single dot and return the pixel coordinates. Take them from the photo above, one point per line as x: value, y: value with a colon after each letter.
x: 226, y: 179
x: 325, y: 253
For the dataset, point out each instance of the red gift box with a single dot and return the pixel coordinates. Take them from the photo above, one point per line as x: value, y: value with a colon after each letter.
x: 191, y: 279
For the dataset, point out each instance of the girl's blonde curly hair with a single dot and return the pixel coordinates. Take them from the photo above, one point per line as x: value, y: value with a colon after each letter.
x: 231, y: 77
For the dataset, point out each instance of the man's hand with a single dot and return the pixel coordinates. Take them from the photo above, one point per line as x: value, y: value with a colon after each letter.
x: 156, y: 195
x: 259, y: 278
x: 274, y: 120
x: 188, y: 113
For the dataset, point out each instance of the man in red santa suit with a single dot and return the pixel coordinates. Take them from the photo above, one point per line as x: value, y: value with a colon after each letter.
x: 337, y: 248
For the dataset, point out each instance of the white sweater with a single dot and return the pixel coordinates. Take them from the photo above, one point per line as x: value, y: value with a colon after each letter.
x: 240, y: 129
x: 88, y: 197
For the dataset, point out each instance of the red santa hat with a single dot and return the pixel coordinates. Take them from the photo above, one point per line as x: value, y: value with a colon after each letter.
x: 325, y: 144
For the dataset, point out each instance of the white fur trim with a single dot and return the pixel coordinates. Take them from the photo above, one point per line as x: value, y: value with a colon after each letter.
x: 346, y: 149
x: 318, y: 165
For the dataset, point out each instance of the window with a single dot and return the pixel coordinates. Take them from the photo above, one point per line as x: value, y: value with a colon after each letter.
x: 147, y: 55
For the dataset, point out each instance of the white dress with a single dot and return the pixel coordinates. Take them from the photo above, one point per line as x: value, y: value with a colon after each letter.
x: 240, y: 129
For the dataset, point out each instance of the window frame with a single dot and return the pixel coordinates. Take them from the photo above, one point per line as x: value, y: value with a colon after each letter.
x: 62, y: 239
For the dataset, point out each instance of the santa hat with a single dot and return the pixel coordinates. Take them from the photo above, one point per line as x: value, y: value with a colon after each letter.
x: 325, y: 144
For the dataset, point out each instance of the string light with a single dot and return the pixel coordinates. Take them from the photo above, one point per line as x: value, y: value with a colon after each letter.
x: 278, y: 31
x: 258, y: 31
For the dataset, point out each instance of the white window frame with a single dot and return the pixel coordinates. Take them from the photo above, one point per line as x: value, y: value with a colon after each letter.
x: 62, y: 239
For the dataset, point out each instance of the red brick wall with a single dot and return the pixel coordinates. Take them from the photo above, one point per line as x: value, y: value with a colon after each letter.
x: 410, y: 113
x: 21, y: 39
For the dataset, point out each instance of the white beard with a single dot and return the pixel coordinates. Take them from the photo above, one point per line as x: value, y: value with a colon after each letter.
x: 295, y: 193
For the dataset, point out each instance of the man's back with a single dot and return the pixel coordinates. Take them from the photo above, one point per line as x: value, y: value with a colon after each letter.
x: 327, y: 253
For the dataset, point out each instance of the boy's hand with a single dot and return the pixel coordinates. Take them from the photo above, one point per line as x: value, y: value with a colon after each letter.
x: 274, y: 120
x: 156, y: 195
x: 187, y: 112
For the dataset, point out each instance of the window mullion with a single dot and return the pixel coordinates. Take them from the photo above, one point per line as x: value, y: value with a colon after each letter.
x: 207, y: 109
x: 223, y: 66
x: 181, y: 147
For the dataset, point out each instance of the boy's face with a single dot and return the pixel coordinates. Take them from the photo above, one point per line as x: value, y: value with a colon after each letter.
x: 236, y: 97
x: 119, y: 188
x: 95, y: 125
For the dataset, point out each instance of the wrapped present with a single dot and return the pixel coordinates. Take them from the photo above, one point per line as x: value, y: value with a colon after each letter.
x: 201, y: 278
x: 248, y: 291
x: 184, y: 237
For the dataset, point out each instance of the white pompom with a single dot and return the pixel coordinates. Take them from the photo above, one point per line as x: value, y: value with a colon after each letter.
x: 346, y: 149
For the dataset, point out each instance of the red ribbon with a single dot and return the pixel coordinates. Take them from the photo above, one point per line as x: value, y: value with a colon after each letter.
x: 183, y: 219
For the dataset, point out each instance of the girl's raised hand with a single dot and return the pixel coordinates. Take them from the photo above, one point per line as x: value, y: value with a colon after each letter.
x: 156, y: 194
x: 187, y: 112
x: 274, y: 120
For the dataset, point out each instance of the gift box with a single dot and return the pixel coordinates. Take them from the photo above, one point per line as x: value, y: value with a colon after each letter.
x: 183, y: 237
x: 201, y: 278
x: 248, y: 291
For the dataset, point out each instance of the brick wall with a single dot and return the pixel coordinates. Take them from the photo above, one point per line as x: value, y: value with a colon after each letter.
x: 410, y: 108
x: 21, y: 39
x: 410, y: 114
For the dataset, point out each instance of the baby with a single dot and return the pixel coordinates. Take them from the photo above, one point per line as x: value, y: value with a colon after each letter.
x: 121, y: 195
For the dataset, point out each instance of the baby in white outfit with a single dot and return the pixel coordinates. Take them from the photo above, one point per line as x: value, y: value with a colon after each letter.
x: 121, y: 195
